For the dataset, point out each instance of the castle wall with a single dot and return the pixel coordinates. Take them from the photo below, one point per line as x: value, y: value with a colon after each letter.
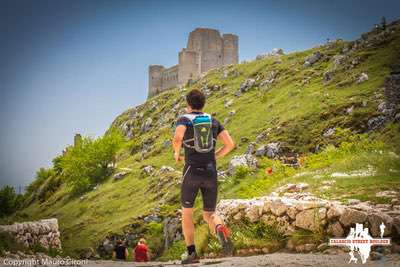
x: 155, y: 79
x: 230, y: 49
x: 169, y: 77
x: 188, y: 66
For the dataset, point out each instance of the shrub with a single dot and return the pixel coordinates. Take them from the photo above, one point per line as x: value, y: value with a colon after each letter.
x: 9, y: 201
x: 88, y: 164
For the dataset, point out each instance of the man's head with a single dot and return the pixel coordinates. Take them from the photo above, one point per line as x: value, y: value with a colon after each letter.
x: 195, y: 100
x: 142, y: 241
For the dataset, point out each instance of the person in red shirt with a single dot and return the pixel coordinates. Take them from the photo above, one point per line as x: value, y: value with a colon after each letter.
x: 141, y: 251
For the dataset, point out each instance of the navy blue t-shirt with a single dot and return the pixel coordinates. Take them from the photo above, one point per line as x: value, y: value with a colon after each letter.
x: 193, y: 157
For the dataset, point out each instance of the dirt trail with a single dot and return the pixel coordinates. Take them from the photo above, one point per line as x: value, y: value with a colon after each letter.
x: 275, y: 260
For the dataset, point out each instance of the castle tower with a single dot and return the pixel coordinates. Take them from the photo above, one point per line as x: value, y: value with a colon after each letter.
x: 155, y: 79
x: 231, y: 49
x: 208, y: 43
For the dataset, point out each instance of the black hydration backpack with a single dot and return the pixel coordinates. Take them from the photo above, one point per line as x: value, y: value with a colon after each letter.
x: 203, y: 140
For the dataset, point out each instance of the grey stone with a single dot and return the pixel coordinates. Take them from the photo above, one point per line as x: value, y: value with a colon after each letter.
x: 376, y: 122
x: 246, y: 85
x: 245, y: 160
x: 314, y: 57
x: 146, y: 126
x: 250, y: 148
x: 362, y: 78
x: 120, y: 175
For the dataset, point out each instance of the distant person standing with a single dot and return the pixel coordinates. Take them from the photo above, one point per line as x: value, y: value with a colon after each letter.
x: 120, y: 251
x: 141, y: 251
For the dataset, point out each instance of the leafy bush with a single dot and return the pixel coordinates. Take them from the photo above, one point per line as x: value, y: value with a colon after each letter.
x: 154, y: 236
x: 9, y: 201
x: 88, y: 164
x: 241, y: 173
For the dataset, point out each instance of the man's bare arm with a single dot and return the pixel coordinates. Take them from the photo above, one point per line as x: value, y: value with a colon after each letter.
x: 228, y: 144
x: 178, y: 140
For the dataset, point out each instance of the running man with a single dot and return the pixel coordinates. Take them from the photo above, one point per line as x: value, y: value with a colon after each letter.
x: 197, y: 132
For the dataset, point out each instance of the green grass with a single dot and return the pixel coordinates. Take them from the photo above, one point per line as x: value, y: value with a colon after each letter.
x: 292, y: 111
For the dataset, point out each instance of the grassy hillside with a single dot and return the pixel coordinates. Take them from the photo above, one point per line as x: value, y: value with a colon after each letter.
x: 297, y: 110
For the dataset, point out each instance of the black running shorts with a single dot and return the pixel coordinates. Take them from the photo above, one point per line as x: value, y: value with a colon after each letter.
x: 203, y: 178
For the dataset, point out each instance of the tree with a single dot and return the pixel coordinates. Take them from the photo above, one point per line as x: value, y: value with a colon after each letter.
x: 9, y: 201
x: 89, y: 163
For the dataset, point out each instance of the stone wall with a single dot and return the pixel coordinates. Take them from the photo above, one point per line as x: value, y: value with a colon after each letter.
x: 295, y: 211
x: 44, y: 232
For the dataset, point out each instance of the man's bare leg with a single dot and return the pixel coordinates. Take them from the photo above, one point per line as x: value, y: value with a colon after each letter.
x: 222, y: 233
x: 188, y: 225
x: 212, y: 219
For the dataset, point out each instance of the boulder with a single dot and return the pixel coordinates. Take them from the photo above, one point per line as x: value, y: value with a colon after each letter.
x: 335, y: 229
x: 276, y: 207
x: 334, y: 211
x: 338, y: 60
x: 245, y: 160
x: 310, y: 60
x: 328, y: 75
x: 120, y: 175
x: 228, y: 103
x: 165, y: 169
x: 146, y: 126
x: 247, y: 85
x: 311, y: 219
x: 375, y: 220
x: 350, y: 217
x: 261, y: 151
x: 253, y: 213
x: 277, y: 51
x: 292, y: 212
x: 362, y: 78
x: 250, y: 148
x: 376, y: 122
x: 272, y: 150
x: 148, y: 169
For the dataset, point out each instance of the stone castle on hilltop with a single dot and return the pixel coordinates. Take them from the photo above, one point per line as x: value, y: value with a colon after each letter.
x: 206, y: 49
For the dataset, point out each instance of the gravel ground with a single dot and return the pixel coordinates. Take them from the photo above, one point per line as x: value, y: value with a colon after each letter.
x: 275, y: 260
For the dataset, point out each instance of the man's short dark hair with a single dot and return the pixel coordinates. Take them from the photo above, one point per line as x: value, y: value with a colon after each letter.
x: 196, y: 99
